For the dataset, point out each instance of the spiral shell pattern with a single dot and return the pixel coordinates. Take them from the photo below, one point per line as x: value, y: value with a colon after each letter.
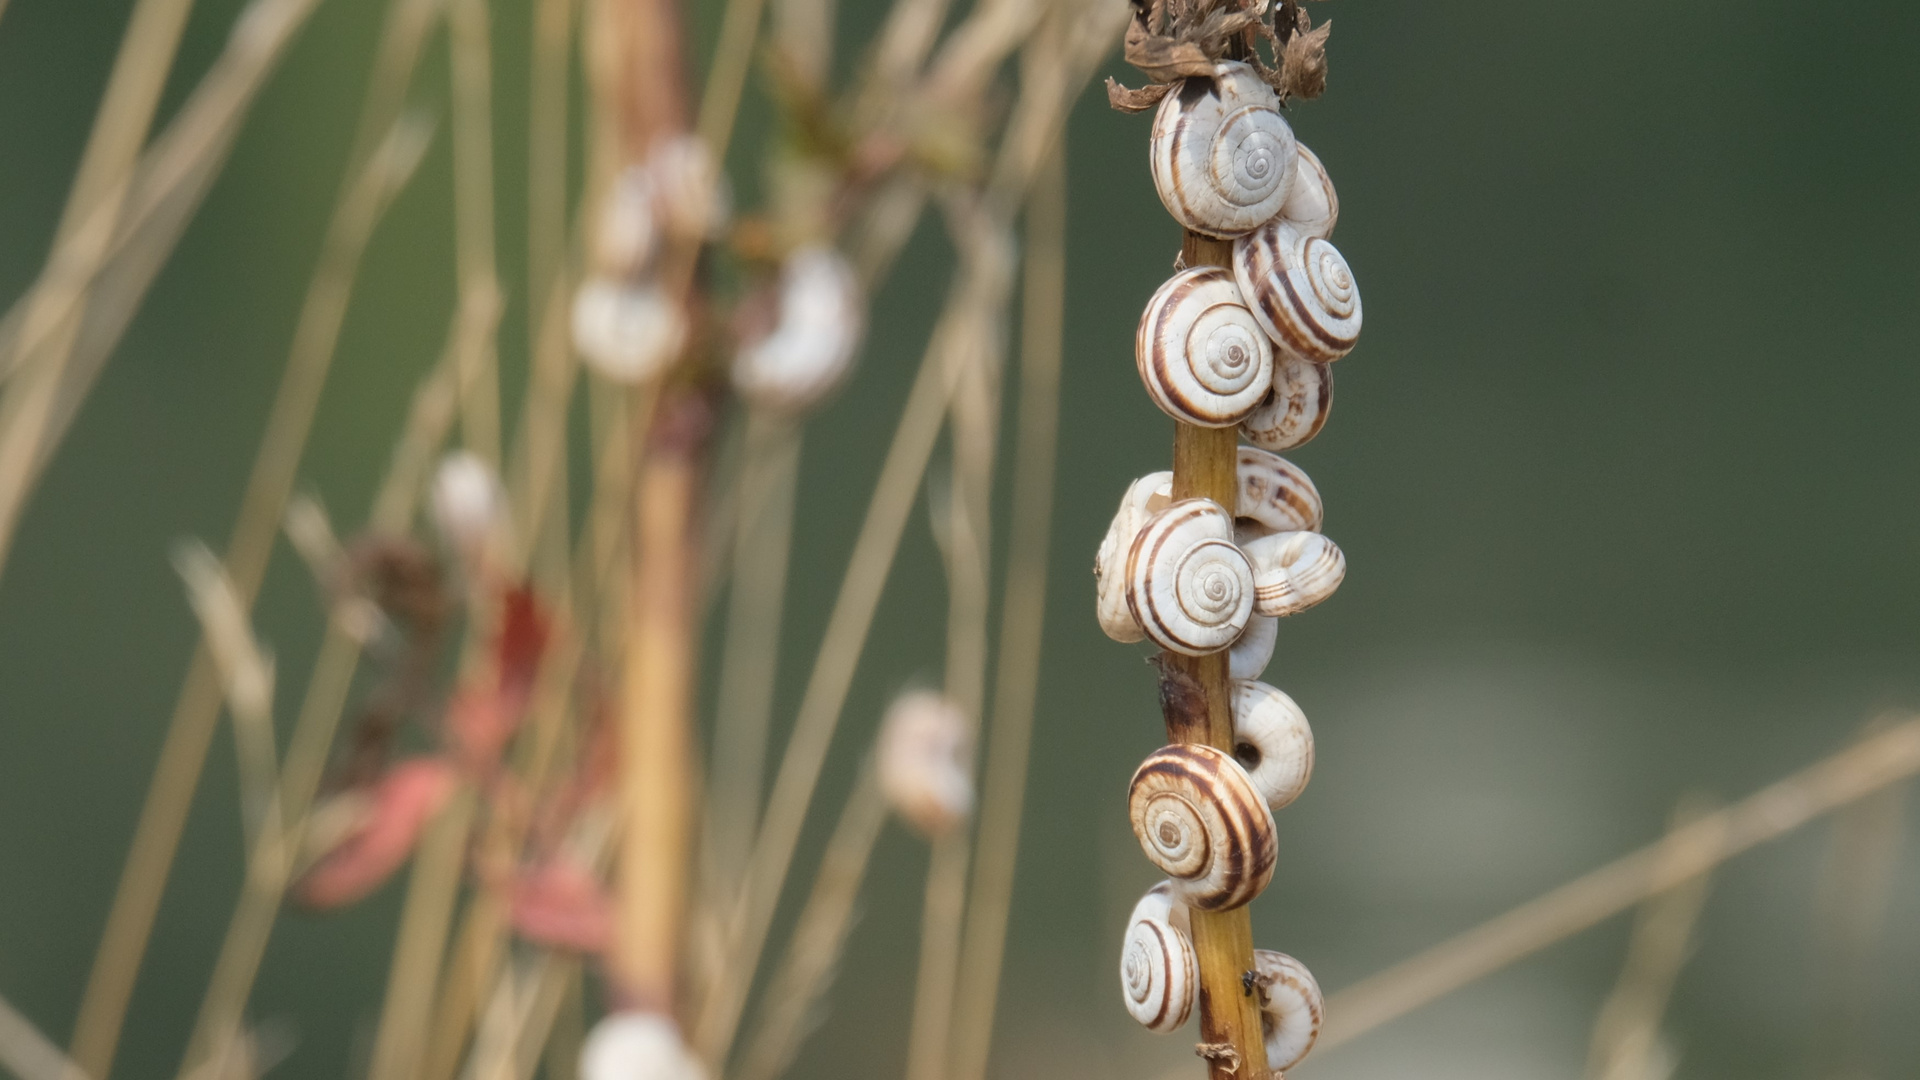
x: 1300, y: 289
x: 1291, y: 1007
x: 1223, y: 156
x: 1272, y: 741
x: 1199, y: 818
x: 1275, y: 494
x: 1295, y: 409
x: 1201, y: 352
x: 1188, y: 586
x: 1312, y: 206
x: 1293, y: 571
x: 1158, y: 966
x: 1145, y: 497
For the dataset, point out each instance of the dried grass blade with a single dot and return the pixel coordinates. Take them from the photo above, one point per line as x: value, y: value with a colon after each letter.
x: 28, y: 1054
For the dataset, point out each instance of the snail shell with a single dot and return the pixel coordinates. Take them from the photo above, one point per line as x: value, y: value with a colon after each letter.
x: 1275, y: 494
x: 1312, y: 206
x: 1200, y: 819
x: 1301, y: 290
x: 1201, y: 352
x: 467, y: 503
x: 1146, y: 497
x: 627, y: 333
x: 1223, y: 156
x: 1250, y: 655
x: 1291, y: 1007
x: 1292, y: 571
x: 811, y: 345
x: 1295, y: 409
x: 1271, y: 741
x: 1158, y: 967
x: 1188, y: 586
x: 925, y: 761
x: 638, y: 1046
x: 628, y: 228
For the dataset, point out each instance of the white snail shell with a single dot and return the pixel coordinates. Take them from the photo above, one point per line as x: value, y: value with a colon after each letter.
x: 1271, y: 741
x: 1199, y: 818
x: 1250, y: 655
x: 627, y: 333
x: 811, y: 345
x: 1201, y: 352
x: 1312, y: 206
x: 1145, y: 497
x: 1188, y: 586
x: 1291, y: 1007
x: 1275, y: 494
x: 1158, y: 966
x: 925, y: 761
x: 624, y: 240
x: 1295, y: 409
x: 466, y: 501
x: 690, y: 192
x: 638, y: 1046
x: 1223, y: 156
x: 1292, y: 571
x: 1300, y: 289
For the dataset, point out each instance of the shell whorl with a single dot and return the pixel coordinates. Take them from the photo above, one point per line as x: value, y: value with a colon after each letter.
x: 1276, y: 494
x: 1199, y: 818
x: 1145, y: 497
x: 1271, y: 741
x: 1295, y: 409
x: 1301, y: 291
x: 1222, y: 154
x: 1291, y: 1007
x: 1201, y: 352
x: 1188, y: 586
x: 1158, y: 966
x: 1293, y: 571
x: 1312, y: 205
x: 805, y: 353
x: 1252, y: 653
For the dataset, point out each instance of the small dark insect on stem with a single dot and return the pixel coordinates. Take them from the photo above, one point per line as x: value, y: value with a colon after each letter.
x: 1247, y: 979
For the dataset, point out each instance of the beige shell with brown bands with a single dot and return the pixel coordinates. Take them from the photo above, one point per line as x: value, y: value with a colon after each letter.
x: 1253, y: 651
x: 1158, y: 966
x: 1200, y: 820
x: 1222, y: 154
x: 1291, y: 1007
x: 1201, y: 353
x: 1312, y: 206
x: 1301, y: 291
x: 1189, y: 587
x: 1293, y: 571
x: 1295, y: 409
x: 1276, y: 494
x: 1271, y: 741
x: 1145, y: 497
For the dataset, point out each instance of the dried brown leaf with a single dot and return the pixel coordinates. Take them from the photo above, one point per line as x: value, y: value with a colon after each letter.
x: 1303, y: 64
x: 1161, y: 58
x: 1133, y: 101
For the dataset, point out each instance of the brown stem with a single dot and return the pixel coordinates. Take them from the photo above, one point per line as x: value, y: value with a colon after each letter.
x: 1199, y: 709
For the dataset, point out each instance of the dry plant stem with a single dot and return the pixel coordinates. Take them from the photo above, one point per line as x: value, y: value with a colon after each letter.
x: 400, y: 1042
x: 1850, y: 911
x: 1022, y: 617
x: 28, y: 1054
x: 547, y: 144
x: 727, y: 75
x: 468, y: 33
x: 1773, y: 811
x: 1204, y: 468
x: 804, y: 31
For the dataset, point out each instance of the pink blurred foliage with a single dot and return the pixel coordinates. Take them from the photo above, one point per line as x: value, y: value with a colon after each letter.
x: 561, y: 904
x: 398, y: 807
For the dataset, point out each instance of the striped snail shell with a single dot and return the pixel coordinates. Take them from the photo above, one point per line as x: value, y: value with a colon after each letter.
x: 1158, y: 967
x: 1145, y: 497
x: 1312, y: 206
x: 1272, y: 741
x: 1250, y: 655
x: 1223, y: 156
x: 1188, y: 586
x: 1200, y: 819
x: 1291, y: 1007
x: 1201, y: 352
x: 1292, y: 571
x: 1295, y: 409
x: 1301, y: 290
x: 1276, y: 494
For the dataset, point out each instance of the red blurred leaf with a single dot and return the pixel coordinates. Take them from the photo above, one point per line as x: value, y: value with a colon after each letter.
x: 525, y: 629
x: 561, y: 905
x: 396, y: 811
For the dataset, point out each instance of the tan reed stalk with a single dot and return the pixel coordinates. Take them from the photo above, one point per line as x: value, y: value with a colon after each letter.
x: 806, y: 971
x: 1859, y: 770
x: 1850, y: 912
x: 434, y: 886
x: 536, y: 484
x: 1022, y: 616
x: 1626, y: 1041
x: 472, y: 68
x: 547, y: 129
x: 28, y: 1054
x: 804, y: 30
x: 393, y: 151
x: 727, y: 74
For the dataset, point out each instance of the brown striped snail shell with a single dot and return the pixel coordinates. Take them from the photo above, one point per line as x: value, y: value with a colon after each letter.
x: 1312, y: 206
x: 1145, y: 497
x: 1291, y: 1007
x: 1275, y: 494
x: 1158, y: 966
x: 1188, y: 586
x: 1253, y: 651
x: 1223, y: 156
x: 1201, y: 821
x: 1272, y: 741
x: 1200, y: 350
x: 1295, y: 409
x: 1293, y: 571
x: 1301, y: 291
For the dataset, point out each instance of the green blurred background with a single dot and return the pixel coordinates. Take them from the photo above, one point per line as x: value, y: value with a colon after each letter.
x: 1624, y: 468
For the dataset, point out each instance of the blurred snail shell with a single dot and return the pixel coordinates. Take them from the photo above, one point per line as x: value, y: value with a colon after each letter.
x: 1291, y: 1007
x: 1271, y: 741
x: 1295, y: 409
x: 1300, y: 289
x: 925, y: 761
x: 1312, y: 206
x: 1188, y: 586
x: 1276, y: 494
x: 1223, y: 156
x: 690, y: 192
x: 1145, y: 497
x: 1158, y: 967
x: 1200, y: 819
x: 1201, y: 351
x: 466, y: 502
x: 1250, y: 655
x: 638, y: 1046
x: 627, y: 228
x: 811, y: 345
x: 1292, y: 571
x: 627, y: 333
